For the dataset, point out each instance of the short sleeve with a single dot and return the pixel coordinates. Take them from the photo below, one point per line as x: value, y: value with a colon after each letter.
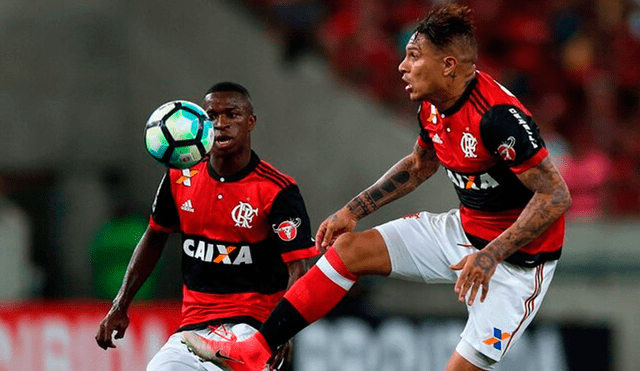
x: 424, y: 140
x: 164, y: 215
x: 290, y: 222
x: 509, y: 133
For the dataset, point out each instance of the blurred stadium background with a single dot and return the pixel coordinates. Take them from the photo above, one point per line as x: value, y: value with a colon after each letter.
x: 79, y: 78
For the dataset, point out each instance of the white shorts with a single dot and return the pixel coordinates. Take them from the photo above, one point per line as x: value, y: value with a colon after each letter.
x: 423, y: 246
x: 174, y: 356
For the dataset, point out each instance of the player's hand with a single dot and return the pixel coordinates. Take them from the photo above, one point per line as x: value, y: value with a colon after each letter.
x: 477, y: 269
x: 332, y: 227
x: 116, y: 320
x: 281, y: 359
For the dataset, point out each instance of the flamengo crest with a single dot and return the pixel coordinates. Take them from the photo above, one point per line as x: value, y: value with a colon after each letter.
x: 243, y: 215
x: 468, y: 144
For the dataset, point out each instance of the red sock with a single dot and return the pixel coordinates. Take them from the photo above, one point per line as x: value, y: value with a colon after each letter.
x: 309, y: 299
x: 322, y: 288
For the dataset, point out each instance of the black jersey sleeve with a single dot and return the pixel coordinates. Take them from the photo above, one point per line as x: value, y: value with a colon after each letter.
x: 290, y: 221
x: 424, y: 135
x: 163, y: 210
x: 511, y: 134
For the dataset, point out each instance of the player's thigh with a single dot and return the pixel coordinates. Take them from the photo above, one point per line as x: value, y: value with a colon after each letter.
x: 459, y: 363
x: 422, y: 246
x: 515, y: 295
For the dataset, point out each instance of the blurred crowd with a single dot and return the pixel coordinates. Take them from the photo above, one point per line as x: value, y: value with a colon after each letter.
x: 573, y: 63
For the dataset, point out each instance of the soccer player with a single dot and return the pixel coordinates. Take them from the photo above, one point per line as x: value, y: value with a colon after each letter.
x: 245, y: 233
x: 501, y: 246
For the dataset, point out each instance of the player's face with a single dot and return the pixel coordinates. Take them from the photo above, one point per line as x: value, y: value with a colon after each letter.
x: 233, y: 121
x: 421, y: 68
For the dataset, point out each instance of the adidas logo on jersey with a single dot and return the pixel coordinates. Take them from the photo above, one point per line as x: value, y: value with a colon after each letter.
x: 187, y: 206
x: 436, y: 139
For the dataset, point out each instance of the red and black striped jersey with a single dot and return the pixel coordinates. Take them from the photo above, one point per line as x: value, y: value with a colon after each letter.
x: 238, y: 233
x: 483, y: 141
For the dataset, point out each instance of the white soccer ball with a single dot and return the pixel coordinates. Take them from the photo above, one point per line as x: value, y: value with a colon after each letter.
x: 178, y: 134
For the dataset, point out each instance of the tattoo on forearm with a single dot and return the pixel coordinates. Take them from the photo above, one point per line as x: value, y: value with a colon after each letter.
x: 362, y: 205
x: 368, y: 201
x: 390, y: 185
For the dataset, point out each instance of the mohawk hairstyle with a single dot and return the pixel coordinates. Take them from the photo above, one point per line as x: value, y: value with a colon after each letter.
x: 229, y: 86
x: 447, y: 23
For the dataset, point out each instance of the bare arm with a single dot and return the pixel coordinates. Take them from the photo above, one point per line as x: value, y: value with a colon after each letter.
x: 550, y: 199
x: 402, y: 178
x: 398, y: 181
x: 143, y: 260
x: 297, y: 269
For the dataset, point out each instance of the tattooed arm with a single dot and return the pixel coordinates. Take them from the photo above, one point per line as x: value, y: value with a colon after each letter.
x: 401, y: 179
x: 550, y: 199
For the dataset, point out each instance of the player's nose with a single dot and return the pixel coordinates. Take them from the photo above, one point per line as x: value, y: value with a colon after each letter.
x: 220, y: 123
x: 402, y: 67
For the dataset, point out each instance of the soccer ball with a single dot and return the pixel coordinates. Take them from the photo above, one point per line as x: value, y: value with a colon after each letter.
x: 178, y: 134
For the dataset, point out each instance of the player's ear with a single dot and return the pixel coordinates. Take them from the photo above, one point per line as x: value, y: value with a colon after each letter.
x: 252, y: 122
x: 449, y: 65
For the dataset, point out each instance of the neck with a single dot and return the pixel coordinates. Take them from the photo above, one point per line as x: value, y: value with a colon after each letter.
x: 453, y: 90
x: 230, y: 164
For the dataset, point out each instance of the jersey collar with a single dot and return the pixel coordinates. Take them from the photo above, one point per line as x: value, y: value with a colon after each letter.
x: 253, y: 162
x: 462, y: 100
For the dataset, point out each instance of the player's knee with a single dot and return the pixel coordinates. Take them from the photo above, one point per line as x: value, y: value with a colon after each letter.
x: 346, y: 247
x: 345, y: 241
x: 362, y: 253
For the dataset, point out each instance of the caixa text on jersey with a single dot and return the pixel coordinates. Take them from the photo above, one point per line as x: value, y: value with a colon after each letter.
x: 217, y: 253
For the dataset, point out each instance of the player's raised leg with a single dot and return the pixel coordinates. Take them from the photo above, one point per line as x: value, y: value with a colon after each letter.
x: 459, y: 363
x: 308, y: 300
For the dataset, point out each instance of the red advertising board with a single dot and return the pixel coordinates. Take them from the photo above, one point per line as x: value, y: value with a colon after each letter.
x: 60, y: 335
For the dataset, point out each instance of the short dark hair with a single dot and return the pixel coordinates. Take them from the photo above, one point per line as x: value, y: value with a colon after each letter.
x: 229, y: 86
x: 449, y: 23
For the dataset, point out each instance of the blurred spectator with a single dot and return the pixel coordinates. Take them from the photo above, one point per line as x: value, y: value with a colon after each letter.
x: 115, y: 241
x: 625, y: 187
x: 15, y: 244
x: 587, y: 171
x: 110, y: 253
x: 298, y: 20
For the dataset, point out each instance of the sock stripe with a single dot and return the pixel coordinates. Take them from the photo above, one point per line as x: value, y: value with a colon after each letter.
x: 336, y: 262
x: 332, y: 274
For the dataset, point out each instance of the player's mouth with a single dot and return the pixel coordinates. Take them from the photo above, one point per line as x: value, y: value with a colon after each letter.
x: 223, y: 141
x: 409, y: 87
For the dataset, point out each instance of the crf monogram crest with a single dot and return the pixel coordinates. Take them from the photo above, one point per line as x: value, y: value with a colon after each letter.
x: 468, y: 144
x: 243, y: 215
